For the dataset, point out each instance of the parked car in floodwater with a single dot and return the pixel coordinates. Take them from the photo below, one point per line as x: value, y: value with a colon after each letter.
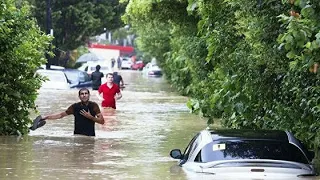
x: 126, y: 63
x: 77, y: 78
x: 152, y: 70
x: 245, y: 154
x: 137, y: 65
x: 55, y: 79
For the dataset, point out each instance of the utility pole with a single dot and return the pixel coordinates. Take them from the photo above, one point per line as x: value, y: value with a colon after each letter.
x: 48, y: 29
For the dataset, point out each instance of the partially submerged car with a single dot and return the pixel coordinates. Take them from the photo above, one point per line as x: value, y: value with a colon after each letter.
x: 55, y: 79
x: 152, y: 69
x: 77, y: 78
x: 126, y: 63
x: 137, y: 65
x: 247, y: 154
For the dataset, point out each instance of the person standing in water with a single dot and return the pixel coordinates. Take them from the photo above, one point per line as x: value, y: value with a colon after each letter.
x: 110, y: 92
x: 117, y: 79
x: 96, y: 78
x: 119, y: 62
x: 86, y: 114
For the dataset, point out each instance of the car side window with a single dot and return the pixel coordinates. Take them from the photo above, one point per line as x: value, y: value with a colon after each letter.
x: 195, y: 145
x: 86, y: 69
x: 198, y: 157
x: 190, y: 148
x: 86, y: 77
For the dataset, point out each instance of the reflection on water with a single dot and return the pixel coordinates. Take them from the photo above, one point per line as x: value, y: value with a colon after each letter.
x: 134, y: 143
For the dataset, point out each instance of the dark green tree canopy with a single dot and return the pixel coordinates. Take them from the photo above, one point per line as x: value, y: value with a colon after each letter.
x: 74, y: 21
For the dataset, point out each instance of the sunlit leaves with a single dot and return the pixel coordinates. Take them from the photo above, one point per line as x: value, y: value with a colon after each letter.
x: 300, y: 87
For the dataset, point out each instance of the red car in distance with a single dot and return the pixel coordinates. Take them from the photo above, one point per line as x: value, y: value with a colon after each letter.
x: 138, y: 65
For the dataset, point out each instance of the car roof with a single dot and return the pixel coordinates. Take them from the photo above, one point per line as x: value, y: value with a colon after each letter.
x: 50, y: 70
x: 208, y: 135
x: 43, y: 66
x: 72, y: 70
x: 239, y: 134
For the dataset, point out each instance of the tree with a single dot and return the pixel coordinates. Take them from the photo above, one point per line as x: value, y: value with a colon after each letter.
x: 74, y: 21
x: 22, y: 47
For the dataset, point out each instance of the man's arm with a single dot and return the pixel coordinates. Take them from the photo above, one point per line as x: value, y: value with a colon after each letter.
x: 100, y: 96
x: 118, y: 96
x: 121, y: 81
x: 55, y: 116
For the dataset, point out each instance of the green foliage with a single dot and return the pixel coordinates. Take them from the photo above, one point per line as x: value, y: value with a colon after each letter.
x: 299, y: 103
x: 73, y: 22
x: 22, y: 47
x: 244, y: 61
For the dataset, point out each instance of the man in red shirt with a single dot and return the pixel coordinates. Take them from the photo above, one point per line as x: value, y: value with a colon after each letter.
x: 110, y: 93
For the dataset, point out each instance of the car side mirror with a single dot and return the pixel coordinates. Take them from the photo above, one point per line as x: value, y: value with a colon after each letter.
x: 176, y: 154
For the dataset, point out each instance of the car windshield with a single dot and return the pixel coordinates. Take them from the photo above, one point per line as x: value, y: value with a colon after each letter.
x: 252, y: 149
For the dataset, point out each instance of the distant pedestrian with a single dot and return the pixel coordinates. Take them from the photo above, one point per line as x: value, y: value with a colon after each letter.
x: 119, y: 62
x: 96, y: 78
x: 117, y: 79
x: 113, y: 62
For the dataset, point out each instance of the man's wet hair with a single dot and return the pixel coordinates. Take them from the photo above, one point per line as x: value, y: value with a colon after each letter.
x: 84, y: 89
x: 109, y: 74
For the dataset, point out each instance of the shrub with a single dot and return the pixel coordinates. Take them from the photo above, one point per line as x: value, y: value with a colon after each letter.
x: 22, y: 47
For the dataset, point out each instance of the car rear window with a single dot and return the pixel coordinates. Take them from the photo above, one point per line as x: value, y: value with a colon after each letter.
x: 252, y: 149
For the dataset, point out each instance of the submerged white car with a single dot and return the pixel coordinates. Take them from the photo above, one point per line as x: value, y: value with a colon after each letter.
x: 152, y: 69
x: 55, y: 79
x: 126, y: 63
x: 246, y: 154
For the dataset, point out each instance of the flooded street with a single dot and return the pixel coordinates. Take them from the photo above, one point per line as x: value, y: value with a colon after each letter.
x: 134, y: 143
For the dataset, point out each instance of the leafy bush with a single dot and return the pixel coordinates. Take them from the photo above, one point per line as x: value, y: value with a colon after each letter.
x: 22, y: 47
x: 252, y: 64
